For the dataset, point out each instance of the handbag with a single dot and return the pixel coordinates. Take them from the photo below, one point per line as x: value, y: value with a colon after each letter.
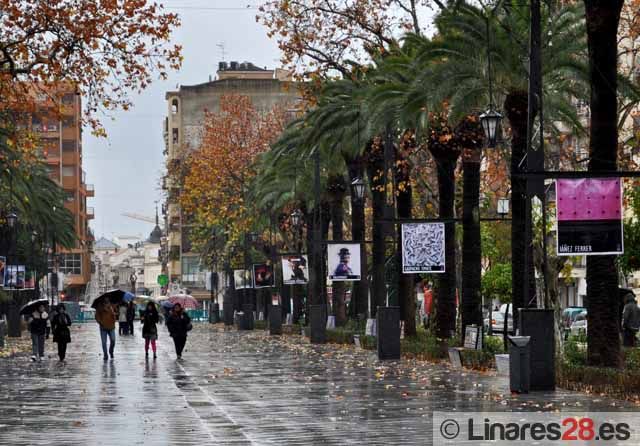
x: 189, y: 326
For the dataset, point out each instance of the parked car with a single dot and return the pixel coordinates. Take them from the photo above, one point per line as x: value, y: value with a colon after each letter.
x: 497, y: 323
x: 579, y: 325
x: 569, y: 316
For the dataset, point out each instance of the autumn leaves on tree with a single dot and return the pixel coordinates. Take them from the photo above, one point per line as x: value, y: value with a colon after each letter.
x: 220, y: 170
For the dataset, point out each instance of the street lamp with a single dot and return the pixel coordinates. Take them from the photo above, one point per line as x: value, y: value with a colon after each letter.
x: 490, y: 121
x: 358, y: 188
x: 296, y: 218
x: 253, y: 237
x: 12, y: 219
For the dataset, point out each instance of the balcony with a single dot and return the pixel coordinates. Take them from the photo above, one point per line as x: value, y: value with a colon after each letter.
x: 70, y: 158
x: 89, y: 190
x: 69, y: 182
x: 90, y: 213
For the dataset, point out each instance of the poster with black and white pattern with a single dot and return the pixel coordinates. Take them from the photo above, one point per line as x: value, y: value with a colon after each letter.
x: 423, y: 248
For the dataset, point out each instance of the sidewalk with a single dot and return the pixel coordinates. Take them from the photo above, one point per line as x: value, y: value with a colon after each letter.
x: 243, y: 388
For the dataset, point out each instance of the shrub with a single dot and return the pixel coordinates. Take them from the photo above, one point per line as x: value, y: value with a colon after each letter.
x: 574, y: 352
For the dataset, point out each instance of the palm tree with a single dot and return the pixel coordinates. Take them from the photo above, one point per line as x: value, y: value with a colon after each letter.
x: 457, y: 71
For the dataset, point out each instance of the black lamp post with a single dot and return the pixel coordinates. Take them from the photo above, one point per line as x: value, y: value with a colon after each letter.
x: 490, y: 119
x: 358, y: 186
x: 12, y: 219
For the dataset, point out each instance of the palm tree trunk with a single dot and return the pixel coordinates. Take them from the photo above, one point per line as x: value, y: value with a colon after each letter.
x: 515, y: 105
x: 337, y: 189
x: 375, y: 170
x: 360, y: 288
x: 404, y: 205
x: 603, y: 341
x: 471, y: 252
x: 446, y: 288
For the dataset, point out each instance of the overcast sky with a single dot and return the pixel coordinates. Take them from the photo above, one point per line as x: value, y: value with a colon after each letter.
x: 126, y: 167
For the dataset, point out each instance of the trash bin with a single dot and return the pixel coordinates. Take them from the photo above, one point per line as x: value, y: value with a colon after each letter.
x: 275, y: 320
x: 519, y: 363
x: 3, y: 331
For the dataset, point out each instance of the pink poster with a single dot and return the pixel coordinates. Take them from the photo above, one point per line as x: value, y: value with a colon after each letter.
x: 589, y: 214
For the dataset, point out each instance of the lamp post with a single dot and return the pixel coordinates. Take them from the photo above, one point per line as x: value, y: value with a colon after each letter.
x: 214, y: 308
x: 14, y: 314
x: 317, y: 308
x: 490, y: 119
x: 503, y: 207
x: 358, y: 186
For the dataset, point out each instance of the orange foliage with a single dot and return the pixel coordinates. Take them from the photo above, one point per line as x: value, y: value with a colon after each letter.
x: 105, y: 49
x: 220, y: 170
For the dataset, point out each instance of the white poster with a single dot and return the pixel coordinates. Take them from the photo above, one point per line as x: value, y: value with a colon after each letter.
x: 242, y: 279
x: 423, y: 248
x: 344, y: 261
x: 295, y: 270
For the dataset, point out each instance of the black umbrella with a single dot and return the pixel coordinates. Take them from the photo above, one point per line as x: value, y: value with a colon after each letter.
x: 116, y: 297
x: 33, y: 306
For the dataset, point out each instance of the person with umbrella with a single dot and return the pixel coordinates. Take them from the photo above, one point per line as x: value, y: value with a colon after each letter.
x: 38, y: 322
x: 149, y: 320
x: 61, y: 334
x: 179, y: 324
x: 106, y: 316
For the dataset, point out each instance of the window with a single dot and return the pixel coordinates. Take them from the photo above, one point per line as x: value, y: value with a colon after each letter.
x: 68, y: 145
x: 70, y: 264
x: 191, y: 270
x: 175, y: 136
x: 174, y: 107
x: 68, y: 98
x: 68, y: 171
x: 70, y: 197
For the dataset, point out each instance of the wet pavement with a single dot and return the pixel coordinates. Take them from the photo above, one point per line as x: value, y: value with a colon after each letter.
x: 240, y: 388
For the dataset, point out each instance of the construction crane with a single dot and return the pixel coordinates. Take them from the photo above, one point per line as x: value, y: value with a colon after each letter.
x: 139, y: 217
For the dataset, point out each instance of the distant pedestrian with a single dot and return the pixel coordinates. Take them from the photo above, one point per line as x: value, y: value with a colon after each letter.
x: 150, y: 319
x: 131, y: 316
x: 61, y: 334
x: 106, y: 316
x: 630, y: 321
x: 38, y: 323
x: 179, y: 324
x: 122, y: 320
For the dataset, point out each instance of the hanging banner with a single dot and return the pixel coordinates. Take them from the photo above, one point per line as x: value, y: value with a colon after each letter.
x: 14, y: 277
x: 242, y: 279
x: 344, y: 261
x: 294, y: 270
x: 423, y: 248
x: 3, y: 269
x: 263, y: 275
x: 589, y: 217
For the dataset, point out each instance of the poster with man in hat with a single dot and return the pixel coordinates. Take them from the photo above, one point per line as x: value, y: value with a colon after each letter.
x: 344, y: 261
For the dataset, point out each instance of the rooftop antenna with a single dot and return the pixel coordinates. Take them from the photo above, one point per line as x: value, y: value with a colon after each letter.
x: 223, y: 53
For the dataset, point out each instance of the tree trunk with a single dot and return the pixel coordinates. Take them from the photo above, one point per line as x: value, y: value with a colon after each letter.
x: 471, y: 252
x: 337, y: 189
x: 360, y: 294
x: 375, y: 167
x: 404, y: 205
x: 516, y: 108
x: 603, y: 341
x: 446, y: 288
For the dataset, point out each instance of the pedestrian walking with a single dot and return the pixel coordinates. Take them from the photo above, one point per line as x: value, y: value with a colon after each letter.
x: 106, y: 316
x: 131, y: 316
x: 150, y: 319
x: 38, y: 323
x: 630, y: 321
x: 61, y: 334
x: 122, y: 320
x: 179, y: 324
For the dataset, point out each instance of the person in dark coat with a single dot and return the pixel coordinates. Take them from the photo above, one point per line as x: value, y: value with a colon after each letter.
x: 38, y: 323
x: 61, y: 334
x: 179, y: 324
x: 131, y: 316
x: 630, y: 321
x: 150, y: 319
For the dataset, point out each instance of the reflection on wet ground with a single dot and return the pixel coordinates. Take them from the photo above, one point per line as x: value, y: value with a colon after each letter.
x: 242, y: 388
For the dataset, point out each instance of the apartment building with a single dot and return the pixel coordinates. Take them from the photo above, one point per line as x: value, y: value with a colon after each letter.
x: 182, y: 132
x: 57, y: 124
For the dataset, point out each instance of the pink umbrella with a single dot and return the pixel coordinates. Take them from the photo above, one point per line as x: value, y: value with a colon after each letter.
x: 187, y: 302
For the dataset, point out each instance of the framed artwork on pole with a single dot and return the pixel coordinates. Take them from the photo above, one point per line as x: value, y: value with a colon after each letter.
x: 423, y: 248
x: 242, y: 279
x: 343, y: 262
x: 263, y: 276
x: 589, y: 217
x: 295, y: 270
